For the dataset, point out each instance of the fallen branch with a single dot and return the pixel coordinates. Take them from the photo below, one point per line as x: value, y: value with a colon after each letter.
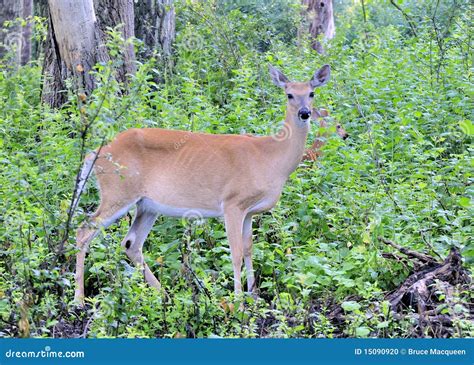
x: 410, y: 253
x: 433, y: 286
x: 416, y: 288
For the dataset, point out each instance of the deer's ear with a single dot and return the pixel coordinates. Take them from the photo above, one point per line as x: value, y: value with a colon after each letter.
x: 323, y: 112
x: 315, y: 113
x: 321, y: 76
x: 277, y: 76
x: 319, y: 113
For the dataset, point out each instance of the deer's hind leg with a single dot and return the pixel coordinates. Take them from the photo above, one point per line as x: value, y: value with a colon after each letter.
x: 105, y: 215
x: 133, y: 242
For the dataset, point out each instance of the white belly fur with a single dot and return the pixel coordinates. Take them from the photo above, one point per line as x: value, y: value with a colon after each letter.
x: 180, y: 212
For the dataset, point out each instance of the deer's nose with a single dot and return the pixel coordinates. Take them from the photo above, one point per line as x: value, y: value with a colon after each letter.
x: 345, y: 136
x: 304, y: 113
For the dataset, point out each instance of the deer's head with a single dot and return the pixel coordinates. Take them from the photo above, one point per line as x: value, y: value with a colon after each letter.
x: 320, y: 115
x: 300, y: 94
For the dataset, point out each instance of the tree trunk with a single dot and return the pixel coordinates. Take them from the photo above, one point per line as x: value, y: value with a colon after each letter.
x: 155, y: 26
x: 112, y: 13
x: 73, y: 47
x: 16, y: 37
x: 320, y: 16
x: 75, y: 44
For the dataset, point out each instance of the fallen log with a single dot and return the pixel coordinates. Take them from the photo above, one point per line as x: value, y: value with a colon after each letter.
x: 429, y: 286
x: 416, y: 286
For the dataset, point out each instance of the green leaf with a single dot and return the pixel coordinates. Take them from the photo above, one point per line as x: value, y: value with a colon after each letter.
x: 362, y: 331
x: 350, y: 306
x: 465, y: 202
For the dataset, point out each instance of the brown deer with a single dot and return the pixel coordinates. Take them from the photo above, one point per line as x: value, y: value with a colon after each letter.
x: 182, y: 174
x: 314, y: 152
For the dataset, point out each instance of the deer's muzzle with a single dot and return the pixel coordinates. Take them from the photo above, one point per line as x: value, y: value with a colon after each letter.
x: 304, y: 113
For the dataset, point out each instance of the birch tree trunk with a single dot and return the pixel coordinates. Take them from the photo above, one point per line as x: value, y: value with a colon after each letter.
x: 155, y: 26
x: 73, y: 47
x: 320, y: 16
x: 16, y: 37
x: 76, y: 43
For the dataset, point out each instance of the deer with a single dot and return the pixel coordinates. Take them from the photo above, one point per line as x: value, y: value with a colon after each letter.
x: 180, y: 173
x: 314, y: 152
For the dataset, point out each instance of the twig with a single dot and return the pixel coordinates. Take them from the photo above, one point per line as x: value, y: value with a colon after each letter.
x: 86, y: 327
x: 220, y: 31
x: 407, y: 17
x: 400, y: 259
x: 38, y: 200
x: 363, y: 11
x: 422, y: 234
x: 410, y: 253
x: 75, y: 201
x: 87, y: 125
x: 205, y: 290
x: 187, y: 265
x: 375, y: 156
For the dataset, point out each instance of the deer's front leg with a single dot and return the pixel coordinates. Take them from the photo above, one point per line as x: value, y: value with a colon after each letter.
x: 85, y: 235
x: 247, y: 245
x: 234, y: 218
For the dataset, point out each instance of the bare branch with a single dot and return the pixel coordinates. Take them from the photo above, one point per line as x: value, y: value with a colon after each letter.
x: 420, y: 256
x: 407, y: 17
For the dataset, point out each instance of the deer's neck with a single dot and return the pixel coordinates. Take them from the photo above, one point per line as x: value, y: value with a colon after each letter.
x: 288, y: 145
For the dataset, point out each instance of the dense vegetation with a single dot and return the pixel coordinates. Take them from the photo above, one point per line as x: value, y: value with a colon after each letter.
x: 405, y: 97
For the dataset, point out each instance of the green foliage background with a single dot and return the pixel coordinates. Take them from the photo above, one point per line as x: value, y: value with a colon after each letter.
x: 405, y: 173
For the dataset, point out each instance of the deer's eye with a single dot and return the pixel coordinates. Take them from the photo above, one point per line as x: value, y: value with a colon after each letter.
x: 290, y: 96
x: 338, y: 126
x: 311, y: 94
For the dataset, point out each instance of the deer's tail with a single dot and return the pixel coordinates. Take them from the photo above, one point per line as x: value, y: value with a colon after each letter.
x: 84, y: 174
